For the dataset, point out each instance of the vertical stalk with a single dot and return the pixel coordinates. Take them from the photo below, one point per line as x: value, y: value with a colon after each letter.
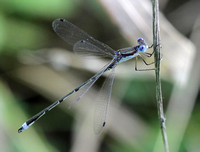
x: 159, y: 99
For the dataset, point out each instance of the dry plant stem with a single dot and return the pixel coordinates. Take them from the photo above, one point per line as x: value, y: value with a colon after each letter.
x: 156, y: 42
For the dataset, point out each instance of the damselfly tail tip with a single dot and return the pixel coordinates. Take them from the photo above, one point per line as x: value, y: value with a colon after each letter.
x: 20, y: 130
x: 23, y: 127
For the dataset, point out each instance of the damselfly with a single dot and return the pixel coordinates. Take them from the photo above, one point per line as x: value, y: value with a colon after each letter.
x: 85, y: 44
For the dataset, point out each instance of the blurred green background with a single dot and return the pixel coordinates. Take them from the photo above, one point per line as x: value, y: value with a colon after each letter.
x: 37, y: 68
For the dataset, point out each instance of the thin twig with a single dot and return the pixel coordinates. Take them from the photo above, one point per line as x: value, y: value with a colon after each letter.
x: 156, y: 42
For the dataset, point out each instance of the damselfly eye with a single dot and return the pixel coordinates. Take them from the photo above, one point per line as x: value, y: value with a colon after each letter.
x: 140, y: 41
x: 142, y: 48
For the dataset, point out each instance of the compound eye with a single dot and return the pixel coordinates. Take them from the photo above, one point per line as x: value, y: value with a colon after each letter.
x: 140, y: 41
x: 142, y: 48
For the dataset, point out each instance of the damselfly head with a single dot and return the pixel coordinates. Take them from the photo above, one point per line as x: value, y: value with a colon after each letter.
x: 142, y: 48
x: 140, y: 41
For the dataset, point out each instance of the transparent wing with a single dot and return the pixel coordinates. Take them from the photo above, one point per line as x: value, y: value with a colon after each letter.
x: 86, y: 48
x: 90, y: 83
x: 83, y: 91
x: 72, y: 34
x: 102, y: 103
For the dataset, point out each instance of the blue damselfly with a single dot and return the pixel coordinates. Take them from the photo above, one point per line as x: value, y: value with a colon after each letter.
x: 85, y: 44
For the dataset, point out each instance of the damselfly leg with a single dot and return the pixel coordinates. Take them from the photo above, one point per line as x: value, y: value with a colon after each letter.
x: 85, y: 44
